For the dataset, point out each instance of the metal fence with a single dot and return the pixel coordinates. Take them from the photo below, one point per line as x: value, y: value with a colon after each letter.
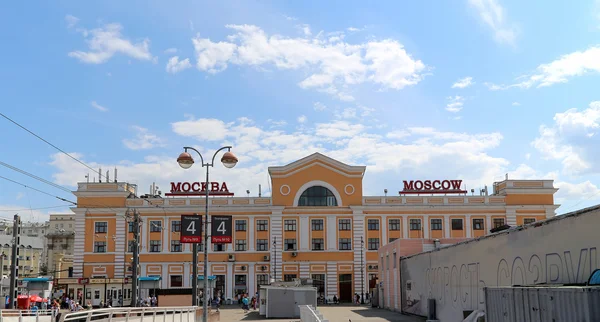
x: 310, y: 314
x: 7, y: 315
x: 136, y: 314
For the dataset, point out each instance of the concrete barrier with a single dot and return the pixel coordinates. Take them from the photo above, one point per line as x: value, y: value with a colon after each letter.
x: 26, y: 316
x: 310, y: 314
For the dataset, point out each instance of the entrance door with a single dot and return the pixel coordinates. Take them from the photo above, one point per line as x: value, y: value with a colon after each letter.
x: 345, y: 287
x: 319, y: 283
x: 96, y: 297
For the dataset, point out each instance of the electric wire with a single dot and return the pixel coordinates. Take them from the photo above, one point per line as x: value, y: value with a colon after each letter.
x: 52, y: 145
x: 39, y: 208
x: 35, y: 177
x: 38, y: 190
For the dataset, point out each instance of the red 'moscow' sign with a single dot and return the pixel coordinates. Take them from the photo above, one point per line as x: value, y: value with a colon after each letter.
x: 432, y: 186
x: 198, y: 188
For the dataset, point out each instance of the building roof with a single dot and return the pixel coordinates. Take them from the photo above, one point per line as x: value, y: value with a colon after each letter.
x: 32, y: 242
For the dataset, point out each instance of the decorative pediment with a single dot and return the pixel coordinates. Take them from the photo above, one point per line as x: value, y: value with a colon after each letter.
x: 317, y: 159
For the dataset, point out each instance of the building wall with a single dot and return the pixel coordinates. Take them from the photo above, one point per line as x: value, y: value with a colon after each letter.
x: 60, y: 243
x: 406, y: 218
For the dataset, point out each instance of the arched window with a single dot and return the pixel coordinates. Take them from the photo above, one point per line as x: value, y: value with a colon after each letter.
x: 317, y: 196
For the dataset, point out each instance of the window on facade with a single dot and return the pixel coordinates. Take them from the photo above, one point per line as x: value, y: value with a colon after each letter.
x: 155, y: 226
x: 415, y: 224
x: 318, y: 244
x: 240, y: 280
x: 100, y: 247
x: 317, y: 224
x: 345, y: 224
x: 176, y: 246
x: 130, y: 246
x: 290, y: 244
x: 498, y: 222
x: 373, y: 243
x: 394, y: 259
x: 478, y: 224
x: 130, y: 227
x: 219, y: 247
x: 240, y: 245
x: 176, y: 226
x: 289, y: 225
x: 262, y: 225
x: 345, y: 244
x: 436, y: 224
x: 176, y: 280
x: 262, y: 245
x: 394, y: 224
x: 528, y: 221
x: 262, y: 279
x: 373, y: 224
x: 240, y: 225
x: 289, y: 277
x: 155, y: 246
x: 101, y: 227
x: 392, y: 239
x: 317, y: 196
x: 457, y: 224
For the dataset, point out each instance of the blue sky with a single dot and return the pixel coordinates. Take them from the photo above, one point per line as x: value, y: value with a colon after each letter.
x: 468, y: 89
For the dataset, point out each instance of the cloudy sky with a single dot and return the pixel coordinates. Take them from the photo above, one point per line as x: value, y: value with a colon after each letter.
x: 470, y: 90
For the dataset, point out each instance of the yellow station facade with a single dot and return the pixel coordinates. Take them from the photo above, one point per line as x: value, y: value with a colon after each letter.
x: 311, y: 227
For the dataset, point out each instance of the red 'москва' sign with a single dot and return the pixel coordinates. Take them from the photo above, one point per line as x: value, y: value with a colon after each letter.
x: 198, y: 188
x: 432, y: 186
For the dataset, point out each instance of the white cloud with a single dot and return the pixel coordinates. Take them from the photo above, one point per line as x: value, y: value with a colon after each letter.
x: 191, y: 25
x: 319, y: 106
x: 527, y: 156
x: 19, y: 195
x: 516, y: 104
x: 202, y: 129
x: 573, y: 139
x: 305, y: 30
x: 353, y: 29
x: 301, y: 119
x: 71, y: 21
x: 330, y: 65
x: 275, y: 123
x: 494, y: 16
x: 455, y: 104
x: 30, y: 214
x: 143, y: 140
x: 560, y: 70
x: 107, y: 41
x: 175, y: 66
x: 170, y: 51
x: 289, y: 18
x: 463, y: 82
x: 577, y: 191
x: 99, y: 107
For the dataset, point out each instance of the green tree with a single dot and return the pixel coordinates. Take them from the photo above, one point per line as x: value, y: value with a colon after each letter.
x: 43, y: 269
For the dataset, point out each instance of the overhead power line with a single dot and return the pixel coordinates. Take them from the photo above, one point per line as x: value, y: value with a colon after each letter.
x: 38, y: 190
x: 35, y: 177
x: 39, y: 208
x: 52, y: 145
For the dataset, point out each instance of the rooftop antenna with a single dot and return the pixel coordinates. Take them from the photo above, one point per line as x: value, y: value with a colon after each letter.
x: 259, y: 190
x: 385, y: 192
x: 107, y: 176
x: 472, y: 192
x: 87, y: 177
x: 100, y: 175
x: 115, y: 174
x: 248, y: 193
x: 507, y: 176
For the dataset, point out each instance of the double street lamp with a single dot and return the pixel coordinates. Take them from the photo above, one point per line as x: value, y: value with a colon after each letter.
x: 186, y: 161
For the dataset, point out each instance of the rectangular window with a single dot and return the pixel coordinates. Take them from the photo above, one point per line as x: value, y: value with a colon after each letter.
x: 498, y: 222
x: 176, y: 226
x: 478, y: 224
x: 155, y: 246
x: 101, y: 227
x: 392, y: 239
x: 130, y: 227
x: 131, y: 246
x: 219, y: 247
x: 345, y: 224
x: 394, y: 260
x: 262, y: 279
x: 262, y: 225
x: 528, y: 221
x: 289, y: 277
x: 345, y: 244
x: 436, y: 224
x: 240, y: 225
x: 176, y: 280
x: 457, y: 224
x: 175, y: 246
x: 318, y: 244
x: 155, y: 226
x: 415, y: 224
x: 394, y: 224
x: 373, y: 224
x: 373, y: 243
x: 262, y: 245
x: 290, y: 244
x: 100, y: 247
x: 240, y: 245
x: 317, y: 224
x: 289, y: 225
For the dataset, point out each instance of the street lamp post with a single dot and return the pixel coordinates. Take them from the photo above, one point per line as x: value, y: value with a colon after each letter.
x: 362, y: 272
x: 186, y: 161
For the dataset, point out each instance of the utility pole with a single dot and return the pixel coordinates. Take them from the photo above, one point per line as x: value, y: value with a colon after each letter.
x: 136, y: 258
x: 14, y: 261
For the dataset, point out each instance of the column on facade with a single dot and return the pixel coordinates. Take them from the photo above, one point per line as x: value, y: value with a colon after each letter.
x: 304, y: 233
x: 144, y: 236
x: 229, y: 279
x: 511, y: 217
x: 468, y: 226
x: 447, y: 227
x: 383, y: 227
x: 120, y: 245
x: 304, y: 270
x: 276, y: 255
x: 251, y: 279
x: 187, y: 275
x: 358, y: 225
x: 426, y: 226
x: 331, y: 233
x: 404, y: 227
x: 251, y: 241
x: 78, y: 248
x: 332, y: 280
x: 488, y: 223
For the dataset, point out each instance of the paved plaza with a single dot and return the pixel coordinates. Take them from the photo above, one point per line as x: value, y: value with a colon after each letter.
x: 331, y: 313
